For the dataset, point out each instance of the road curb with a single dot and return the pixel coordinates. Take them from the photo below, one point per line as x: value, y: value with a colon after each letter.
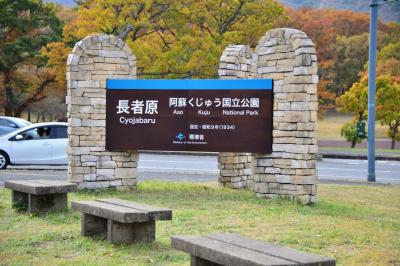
x: 322, y: 154
x: 358, y: 157
x: 354, y: 183
x: 200, y: 153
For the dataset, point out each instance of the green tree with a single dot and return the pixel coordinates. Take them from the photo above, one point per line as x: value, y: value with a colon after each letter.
x: 25, y: 26
x: 388, y: 106
x: 349, y: 132
x: 392, y: 50
x: 355, y: 101
x: 351, y: 54
x: 389, y: 61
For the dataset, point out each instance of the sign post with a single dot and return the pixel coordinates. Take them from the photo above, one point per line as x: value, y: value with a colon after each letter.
x: 190, y: 115
x: 372, y: 89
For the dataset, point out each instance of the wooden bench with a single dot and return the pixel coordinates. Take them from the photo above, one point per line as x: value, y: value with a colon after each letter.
x: 233, y: 249
x: 121, y: 221
x: 40, y: 196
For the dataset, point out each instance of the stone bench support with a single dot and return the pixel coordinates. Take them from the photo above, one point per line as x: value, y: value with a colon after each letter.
x: 117, y: 232
x: 40, y: 196
x: 93, y: 225
x: 129, y: 233
x: 120, y: 221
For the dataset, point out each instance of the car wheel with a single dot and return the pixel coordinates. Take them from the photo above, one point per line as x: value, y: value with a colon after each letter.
x: 4, y: 160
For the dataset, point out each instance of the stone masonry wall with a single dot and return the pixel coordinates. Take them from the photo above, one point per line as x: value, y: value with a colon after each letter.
x: 92, y: 61
x: 288, y: 57
x: 235, y: 168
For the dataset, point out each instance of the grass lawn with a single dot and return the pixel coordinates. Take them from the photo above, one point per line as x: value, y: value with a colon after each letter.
x: 360, y: 150
x: 357, y: 225
x: 330, y: 126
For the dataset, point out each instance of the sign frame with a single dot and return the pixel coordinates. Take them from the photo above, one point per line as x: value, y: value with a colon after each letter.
x: 214, y: 87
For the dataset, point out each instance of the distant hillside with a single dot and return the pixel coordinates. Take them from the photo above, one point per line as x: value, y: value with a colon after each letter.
x: 388, y: 12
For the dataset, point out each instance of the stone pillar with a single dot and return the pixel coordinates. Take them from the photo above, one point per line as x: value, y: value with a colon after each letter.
x: 288, y: 57
x: 92, y: 61
x: 235, y: 168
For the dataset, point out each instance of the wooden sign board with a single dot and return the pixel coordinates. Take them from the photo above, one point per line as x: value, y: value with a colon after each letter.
x: 190, y: 115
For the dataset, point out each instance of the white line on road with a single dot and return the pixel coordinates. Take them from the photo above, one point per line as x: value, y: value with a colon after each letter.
x: 349, y: 169
x: 32, y: 174
x: 356, y: 177
x: 353, y: 163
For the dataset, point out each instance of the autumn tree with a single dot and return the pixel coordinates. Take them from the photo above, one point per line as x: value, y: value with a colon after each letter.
x: 388, y: 107
x: 389, y: 33
x: 323, y: 26
x: 177, y: 38
x: 56, y: 54
x: 341, y: 40
x: 25, y: 26
x: 110, y: 16
x: 232, y: 21
x: 29, y: 85
x: 389, y: 61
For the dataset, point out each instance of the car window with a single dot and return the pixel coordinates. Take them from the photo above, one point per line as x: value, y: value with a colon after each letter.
x: 7, y: 123
x: 24, y: 123
x: 36, y: 133
x: 59, y: 132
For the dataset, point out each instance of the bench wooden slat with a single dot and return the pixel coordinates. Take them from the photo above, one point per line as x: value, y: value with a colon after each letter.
x: 224, y: 253
x: 155, y: 213
x: 110, y: 211
x: 41, y: 186
x: 274, y: 250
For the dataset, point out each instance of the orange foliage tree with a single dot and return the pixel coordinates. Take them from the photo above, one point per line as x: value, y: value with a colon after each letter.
x: 341, y: 40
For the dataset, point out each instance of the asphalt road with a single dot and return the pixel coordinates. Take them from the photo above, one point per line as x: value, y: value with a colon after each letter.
x: 328, y: 169
x: 204, y: 168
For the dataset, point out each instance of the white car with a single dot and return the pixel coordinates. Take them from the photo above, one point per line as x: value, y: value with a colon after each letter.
x: 9, y: 124
x: 41, y: 143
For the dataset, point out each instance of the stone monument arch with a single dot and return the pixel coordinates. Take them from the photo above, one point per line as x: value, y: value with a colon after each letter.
x: 287, y: 56
x: 92, y: 61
